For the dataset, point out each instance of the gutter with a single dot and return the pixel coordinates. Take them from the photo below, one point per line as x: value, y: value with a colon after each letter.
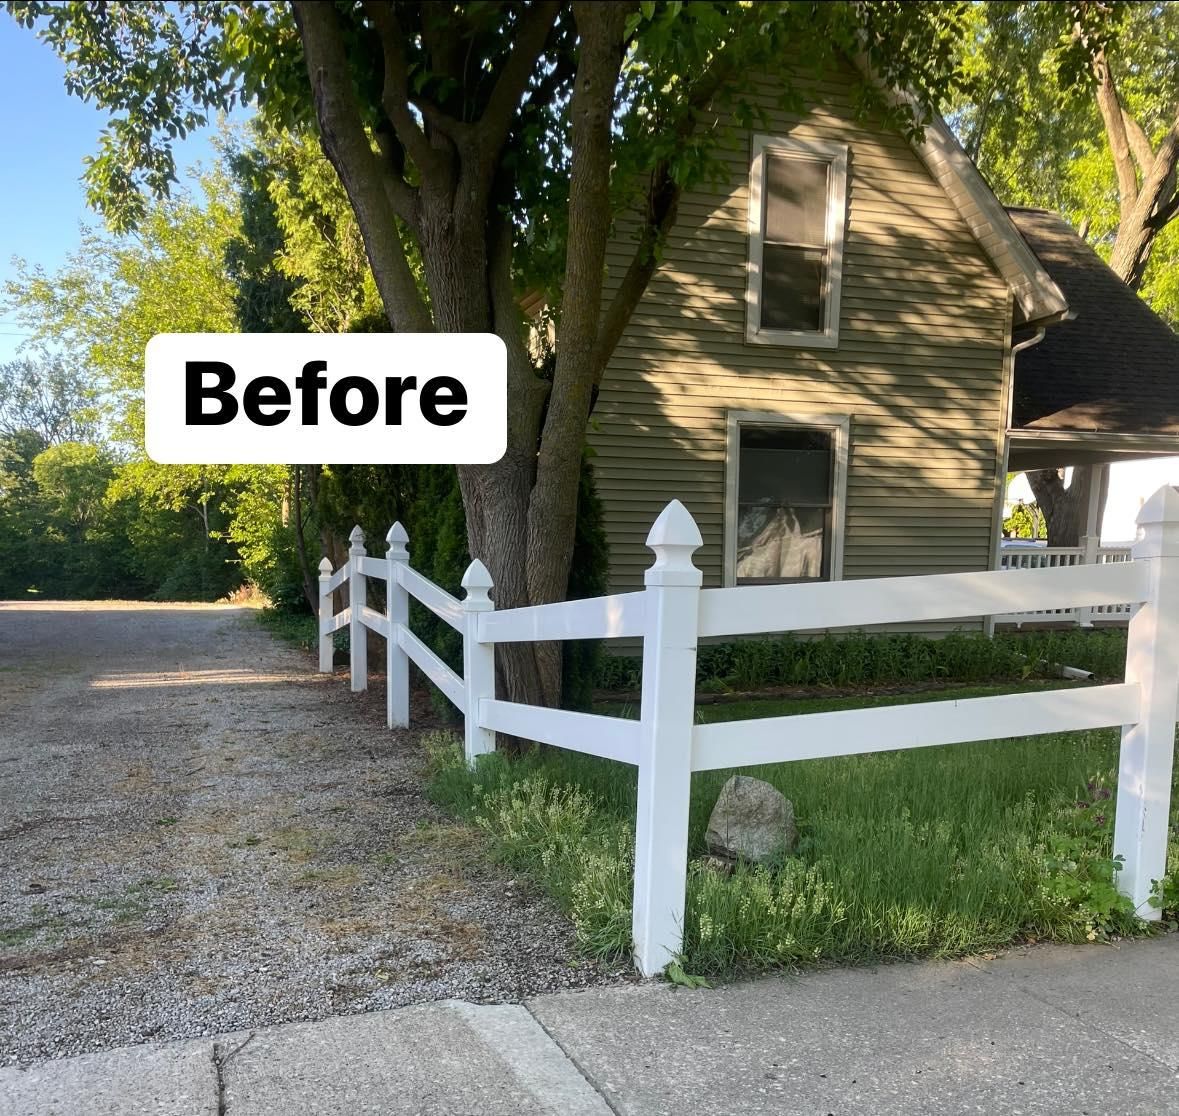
x: 1162, y: 443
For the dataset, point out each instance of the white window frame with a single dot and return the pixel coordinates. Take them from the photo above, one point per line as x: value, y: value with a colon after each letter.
x: 838, y: 425
x: 836, y: 156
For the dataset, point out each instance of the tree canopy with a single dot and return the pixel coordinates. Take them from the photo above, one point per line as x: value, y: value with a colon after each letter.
x: 45, y: 395
x: 486, y: 149
x: 1075, y: 108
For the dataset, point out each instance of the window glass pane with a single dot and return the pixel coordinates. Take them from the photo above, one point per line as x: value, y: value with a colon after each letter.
x: 796, y: 200
x: 786, y: 477
x: 778, y: 543
x: 792, y: 287
x: 784, y: 495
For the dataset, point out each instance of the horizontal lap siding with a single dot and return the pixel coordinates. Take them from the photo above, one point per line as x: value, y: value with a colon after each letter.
x: 919, y: 367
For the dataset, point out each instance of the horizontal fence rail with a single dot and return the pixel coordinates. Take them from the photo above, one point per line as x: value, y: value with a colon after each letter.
x: 608, y: 737
x: 841, y: 604
x: 849, y: 732
x: 374, y: 567
x: 672, y: 613
x: 1054, y: 557
x: 598, y: 618
x: 438, y: 601
x: 375, y: 621
x: 338, y: 578
x: 433, y: 668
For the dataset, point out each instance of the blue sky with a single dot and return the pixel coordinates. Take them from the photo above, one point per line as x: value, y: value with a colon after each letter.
x: 46, y: 133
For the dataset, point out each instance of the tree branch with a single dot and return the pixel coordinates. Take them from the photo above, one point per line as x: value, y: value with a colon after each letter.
x: 663, y: 200
x: 395, y: 90
x: 1115, y: 129
x: 527, y: 391
x: 552, y: 506
x: 662, y: 205
x: 346, y: 145
x: 1165, y: 214
x: 445, y: 31
x: 1158, y: 184
x: 1155, y: 205
x: 535, y: 24
x: 402, y: 196
x: 1139, y: 142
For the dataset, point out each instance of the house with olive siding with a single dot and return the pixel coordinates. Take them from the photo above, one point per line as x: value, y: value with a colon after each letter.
x: 821, y: 366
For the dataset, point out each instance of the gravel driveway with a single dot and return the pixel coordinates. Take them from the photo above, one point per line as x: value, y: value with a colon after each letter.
x: 199, y: 834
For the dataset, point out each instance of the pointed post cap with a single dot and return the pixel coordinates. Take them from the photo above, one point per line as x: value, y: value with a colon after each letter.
x: 398, y: 539
x: 674, y: 537
x: 325, y: 567
x: 357, y: 538
x: 1158, y: 525
x: 477, y: 581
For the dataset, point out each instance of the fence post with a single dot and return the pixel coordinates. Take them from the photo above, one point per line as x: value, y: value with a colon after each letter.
x: 665, y: 749
x: 357, y: 598
x: 397, y: 610
x: 327, y: 641
x: 1152, y: 660
x: 478, y: 662
x: 1089, y: 547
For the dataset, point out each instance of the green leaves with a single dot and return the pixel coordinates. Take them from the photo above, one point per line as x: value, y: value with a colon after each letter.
x: 675, y: 975
x: 1029, y: 117
x: 161, y: 70
x: 49, y: 397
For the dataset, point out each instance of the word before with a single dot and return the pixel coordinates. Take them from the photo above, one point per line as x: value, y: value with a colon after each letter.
x: 352, y: 400
x: 365, y: 398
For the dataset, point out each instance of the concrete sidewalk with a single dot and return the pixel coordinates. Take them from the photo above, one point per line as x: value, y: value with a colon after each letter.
x: 1044, y: 1030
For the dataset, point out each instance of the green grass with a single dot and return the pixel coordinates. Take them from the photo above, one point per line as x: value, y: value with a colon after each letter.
x: 16, y: 935
x: 926, y: 852
x: 298, y: 628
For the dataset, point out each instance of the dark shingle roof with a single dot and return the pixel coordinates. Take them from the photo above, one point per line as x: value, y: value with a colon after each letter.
x: 1114, y: 368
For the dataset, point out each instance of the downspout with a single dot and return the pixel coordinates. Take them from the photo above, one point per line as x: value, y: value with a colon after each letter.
x: 1019, y: 347
x: 1001, y: 487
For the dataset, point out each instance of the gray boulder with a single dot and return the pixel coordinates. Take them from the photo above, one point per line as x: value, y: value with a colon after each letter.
x: 751, y: 821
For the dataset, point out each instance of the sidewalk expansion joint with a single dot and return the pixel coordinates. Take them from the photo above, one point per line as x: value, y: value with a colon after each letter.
x: 1090, y: 1025
x: 220, y: 1061
x: 585, y: 1074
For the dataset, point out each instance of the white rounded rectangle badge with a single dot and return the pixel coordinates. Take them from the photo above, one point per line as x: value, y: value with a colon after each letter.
x: 337, y: 398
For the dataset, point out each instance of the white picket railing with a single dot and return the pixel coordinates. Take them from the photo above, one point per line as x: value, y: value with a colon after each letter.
x: 673, y: 612
x: 1053, y: 557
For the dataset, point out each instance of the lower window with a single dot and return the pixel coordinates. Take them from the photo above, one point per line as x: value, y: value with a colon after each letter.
x: 784, y: 507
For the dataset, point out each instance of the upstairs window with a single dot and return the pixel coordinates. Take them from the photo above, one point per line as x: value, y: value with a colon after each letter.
x: 784, y: 506
x: 797, y: 212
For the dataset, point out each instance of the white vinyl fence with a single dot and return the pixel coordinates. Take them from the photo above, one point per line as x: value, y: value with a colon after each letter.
x: 673, y: 612
x: 1053, y: 557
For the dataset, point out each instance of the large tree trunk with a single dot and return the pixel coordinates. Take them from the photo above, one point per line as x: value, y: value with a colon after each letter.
x: 1066, y: 509
x: 495, y: 499
x: 520, y: 511
x: 455, y: 246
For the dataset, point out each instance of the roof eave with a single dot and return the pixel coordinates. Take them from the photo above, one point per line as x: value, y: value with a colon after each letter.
x: 1039, y: 300
x: 1121, y: 440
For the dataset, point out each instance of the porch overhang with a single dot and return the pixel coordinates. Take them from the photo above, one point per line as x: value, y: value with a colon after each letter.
x: 1054, y: 449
